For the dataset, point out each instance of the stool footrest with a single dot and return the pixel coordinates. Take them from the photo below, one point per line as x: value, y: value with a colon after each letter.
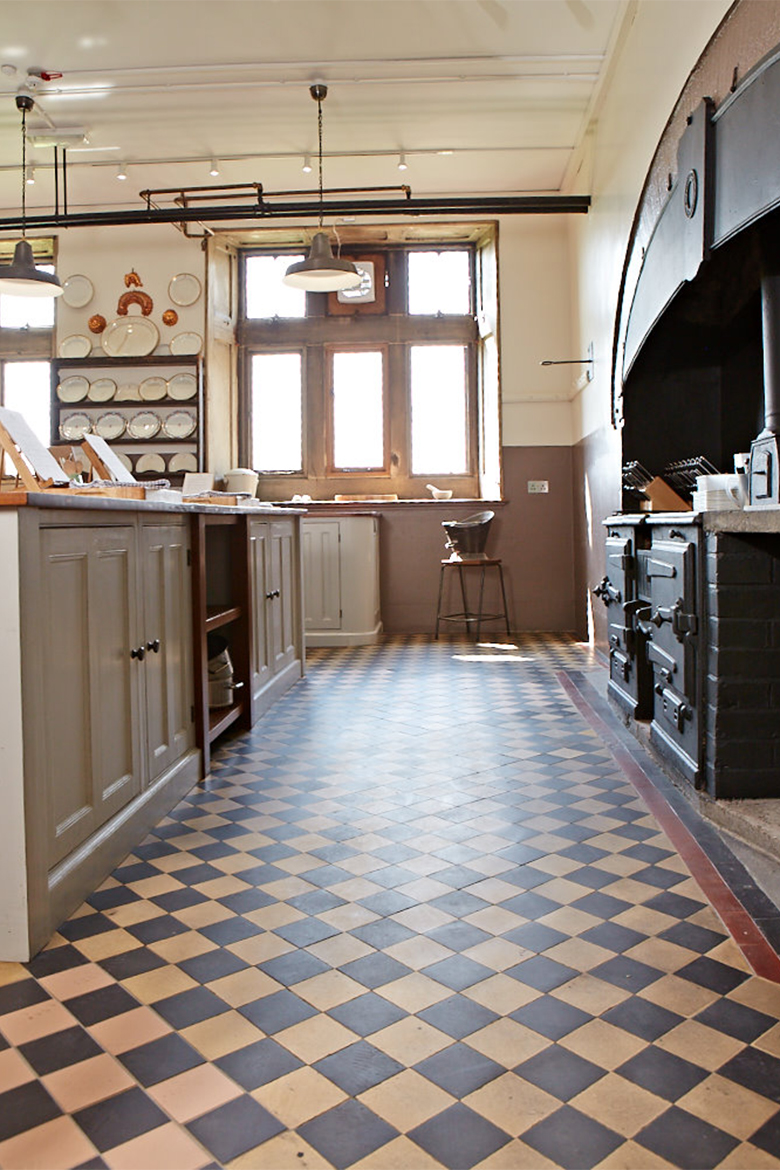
x: 467, y: 616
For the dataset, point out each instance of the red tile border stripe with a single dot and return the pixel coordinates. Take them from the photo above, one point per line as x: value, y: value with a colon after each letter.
x: 754, y: 945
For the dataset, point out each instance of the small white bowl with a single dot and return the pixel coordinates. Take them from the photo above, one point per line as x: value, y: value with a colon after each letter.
x: 439, y: 493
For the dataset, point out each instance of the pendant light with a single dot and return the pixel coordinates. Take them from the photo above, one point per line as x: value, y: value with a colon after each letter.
x: 21, y: 278
x: 321, y: 271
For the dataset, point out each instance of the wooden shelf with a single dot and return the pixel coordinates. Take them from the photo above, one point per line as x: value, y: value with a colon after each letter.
x: 220, y: 718
x: 217, y: 616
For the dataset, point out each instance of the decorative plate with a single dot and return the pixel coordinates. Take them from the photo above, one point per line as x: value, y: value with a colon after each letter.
x: 77, y: 291
x: 180, y: 424
x: 75, y: 346
x: 73, y: 389
x: 186, y: 344
x: 128, y: 392
x: 183, y: 461
x: 152, y: 389
x: 150, y: 462
x: 130, y: 337
x: 184, y: 289
x: 75, y: 426
x: 182, y: 386
x: 102, y: 390
x: 126, y: 460
x: 144, y: 425
x: 110, y: 425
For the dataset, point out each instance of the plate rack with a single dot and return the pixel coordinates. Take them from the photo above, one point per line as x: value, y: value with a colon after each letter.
x: 178, y: 455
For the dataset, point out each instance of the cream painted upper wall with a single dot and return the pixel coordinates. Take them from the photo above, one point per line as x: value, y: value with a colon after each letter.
x: 534, y: 293
x: 659, y: 49
x: 157, y: 254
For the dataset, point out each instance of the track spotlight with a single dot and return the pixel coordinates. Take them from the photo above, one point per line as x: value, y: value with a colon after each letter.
x: 402, y: 166
x: 121, y: 172
x: 306, y: 168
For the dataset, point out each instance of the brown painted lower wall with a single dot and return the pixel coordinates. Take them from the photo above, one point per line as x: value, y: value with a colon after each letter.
x: 596, y: 480
x: 532, y: 534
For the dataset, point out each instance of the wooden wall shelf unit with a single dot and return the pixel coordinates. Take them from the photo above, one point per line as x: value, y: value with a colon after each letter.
x: 133, y: 372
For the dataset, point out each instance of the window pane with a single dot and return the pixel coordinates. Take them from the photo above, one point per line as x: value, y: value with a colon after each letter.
x: 266, y: 293
x: 439, y: 282
x: 277, y: 419
x: 439, y: 410
x: 27, y: 389
x: 358, y: 411
x: 32, y: 312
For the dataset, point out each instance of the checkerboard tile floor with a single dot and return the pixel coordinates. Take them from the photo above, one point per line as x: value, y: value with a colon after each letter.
x: 418, y: 917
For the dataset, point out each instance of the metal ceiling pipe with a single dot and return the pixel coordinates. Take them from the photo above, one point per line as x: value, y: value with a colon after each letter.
x: 443, y: 205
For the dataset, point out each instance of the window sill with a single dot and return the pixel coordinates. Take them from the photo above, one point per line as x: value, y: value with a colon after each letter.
x: 350, y: 506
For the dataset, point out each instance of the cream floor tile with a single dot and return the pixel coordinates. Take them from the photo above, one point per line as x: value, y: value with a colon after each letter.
x: 315, y: 1038
x: 497, y: 953
x: 712, y: 1049
x: 418, y: 952
x: 760, y: 994
x: 620, y: 1105
x: 14, y: 1070
x: 632, y: 1156
x: 507, y: 1042
x: 56, y: 1145
x: 221, y: 1034
x: 329, y: 989
x: 286, y: 1151
x: 502, y: 993
x: 749, y: 1157
x: 340, y: 949
x: 140, y: 911
x: 182, y: 946
x: 579, y: 954
x: 151, y: 887
x: 422, y: 918
x: 167, y: 1146
x: 130, y: 1030
x: 679, y: 995
x: 204, y: 914
x: 348, y: 917
x: 194, y: 1092
x: 260, y: 948
x: 494, y: 919
x: 79, y: 1085
x: 516, y: 1154
x: 406, y: 1100
x: 414, y: 992
x: 40, y: 1019
x: 410, y: 1040
x: 399, y: 1154
x: 221, y: 887
x: 104, y: 946
x: 158, y: 984
x: 244, y: 986
x: 353, y: 889
x: 299, y: 1096
x: 603, y: 1044
x: 770, y: 1041
x: 12, y: 973
x: 76, y: 981
x: 729, y: 1106
x: 662, y: 955
x: 569, y: 920
x: 512, y: 1103
x: 590, y: 994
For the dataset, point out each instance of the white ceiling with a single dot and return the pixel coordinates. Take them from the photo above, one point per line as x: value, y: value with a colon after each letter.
x: 165, y: 86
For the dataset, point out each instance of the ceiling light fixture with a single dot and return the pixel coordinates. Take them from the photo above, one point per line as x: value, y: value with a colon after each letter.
x: 121, y: 172
x: 21, y: 278
x: 306, y: 168
x: 29, y: 177
x: 214, y: 168
x: 402, y: 164
x: 321, y: 271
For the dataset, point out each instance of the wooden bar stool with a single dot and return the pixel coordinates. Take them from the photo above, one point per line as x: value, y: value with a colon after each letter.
x: 468, y: 616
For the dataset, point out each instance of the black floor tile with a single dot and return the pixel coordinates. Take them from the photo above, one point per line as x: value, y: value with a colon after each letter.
x: 662, y: 1073
x: 712, y: 974
x: 95, y: 1006
x: 159, y: 1059
x: 642, y: 1018
x: 572, y: 1140
x: 293, y: 967
x: 695, y: 938
x: 627, y: 973
x: 382, y: 933
x: 212, y: 965
x: 347, y: 1133
x: 258, y: 1064
x: 190, y: 1007
x: 755, y: 1070
x: 457, y: 972
x: 743, y: 1023
x: 458, y: 935
x: 534, y: 936
x: 550, y: 1017
x: 686, y: 1141
x: 21, y: 994
x: 120, y: 1118
x: 613, y: 937
x: 560, y: 1072
x: 767, y: 1136
x: 59, y: 1050
x: 674, y: 905
x: 358, y: 1067
x: 24, y: 1108
x: 230, y: 930
x: 275, y: 1012
x: 234, y: 1128
x: 375, y: 970
x: 458, y: 1016
x: 459, y: 1137
x: 459, y: 1070
x: 306, y: 931
x: 156, y: 929
x: 367, y: 1014
x: 542, y: 973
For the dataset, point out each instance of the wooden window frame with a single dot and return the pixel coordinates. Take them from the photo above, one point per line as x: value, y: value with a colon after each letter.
x: 395, y: 331
x: 331, y: 470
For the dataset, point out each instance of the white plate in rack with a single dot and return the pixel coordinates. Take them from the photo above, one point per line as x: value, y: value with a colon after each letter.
x: 186, y: 344
x: 77, y: 291
x: 182, y: 387
x: 144, y: 425
x: 73, y: 389
x: 151, y: 461
x: 102, y: 390
x: 130, y: 337
x: 183, y: 461
x: 180, y: 424
x: 152, y: 389
x: 110, y: 425
x: 75, y: 346
x: 75, y: 426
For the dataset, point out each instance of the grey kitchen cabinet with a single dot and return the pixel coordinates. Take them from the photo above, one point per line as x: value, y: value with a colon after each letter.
x: 276, y: 635
x: 341, y: 580
x: 107, y: 684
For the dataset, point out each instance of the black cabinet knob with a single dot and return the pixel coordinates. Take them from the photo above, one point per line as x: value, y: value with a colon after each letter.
x: 139, y: 653
x: 154, y: 646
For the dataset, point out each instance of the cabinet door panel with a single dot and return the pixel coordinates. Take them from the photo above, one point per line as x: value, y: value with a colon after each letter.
x: 166, y: 624
x: 90, y: 688
x: 283, y: 583
x: 259, y: 586
x: 116, y: 681
x: 322, y: 574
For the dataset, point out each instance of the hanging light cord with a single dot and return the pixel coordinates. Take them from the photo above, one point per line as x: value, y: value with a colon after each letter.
x: 24, y: 173
x: 319, y: 151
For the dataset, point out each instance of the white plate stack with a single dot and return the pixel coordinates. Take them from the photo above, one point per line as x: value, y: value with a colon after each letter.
x: 719, y: 493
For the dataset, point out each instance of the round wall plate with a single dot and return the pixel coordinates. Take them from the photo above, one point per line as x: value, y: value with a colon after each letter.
x: 102, y: 390
x: 77, y: 291
x: 144, y: 425
x: 184, y: 289
x: 186, y: 344
x: 130, y: 337
x: 75, y: 346
x: 73, y: 389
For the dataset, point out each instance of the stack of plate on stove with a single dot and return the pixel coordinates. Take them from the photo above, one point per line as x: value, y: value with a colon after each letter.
x: 719, y: 493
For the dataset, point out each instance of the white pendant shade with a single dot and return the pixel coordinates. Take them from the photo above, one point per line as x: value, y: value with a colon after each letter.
x: 321, y: 271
